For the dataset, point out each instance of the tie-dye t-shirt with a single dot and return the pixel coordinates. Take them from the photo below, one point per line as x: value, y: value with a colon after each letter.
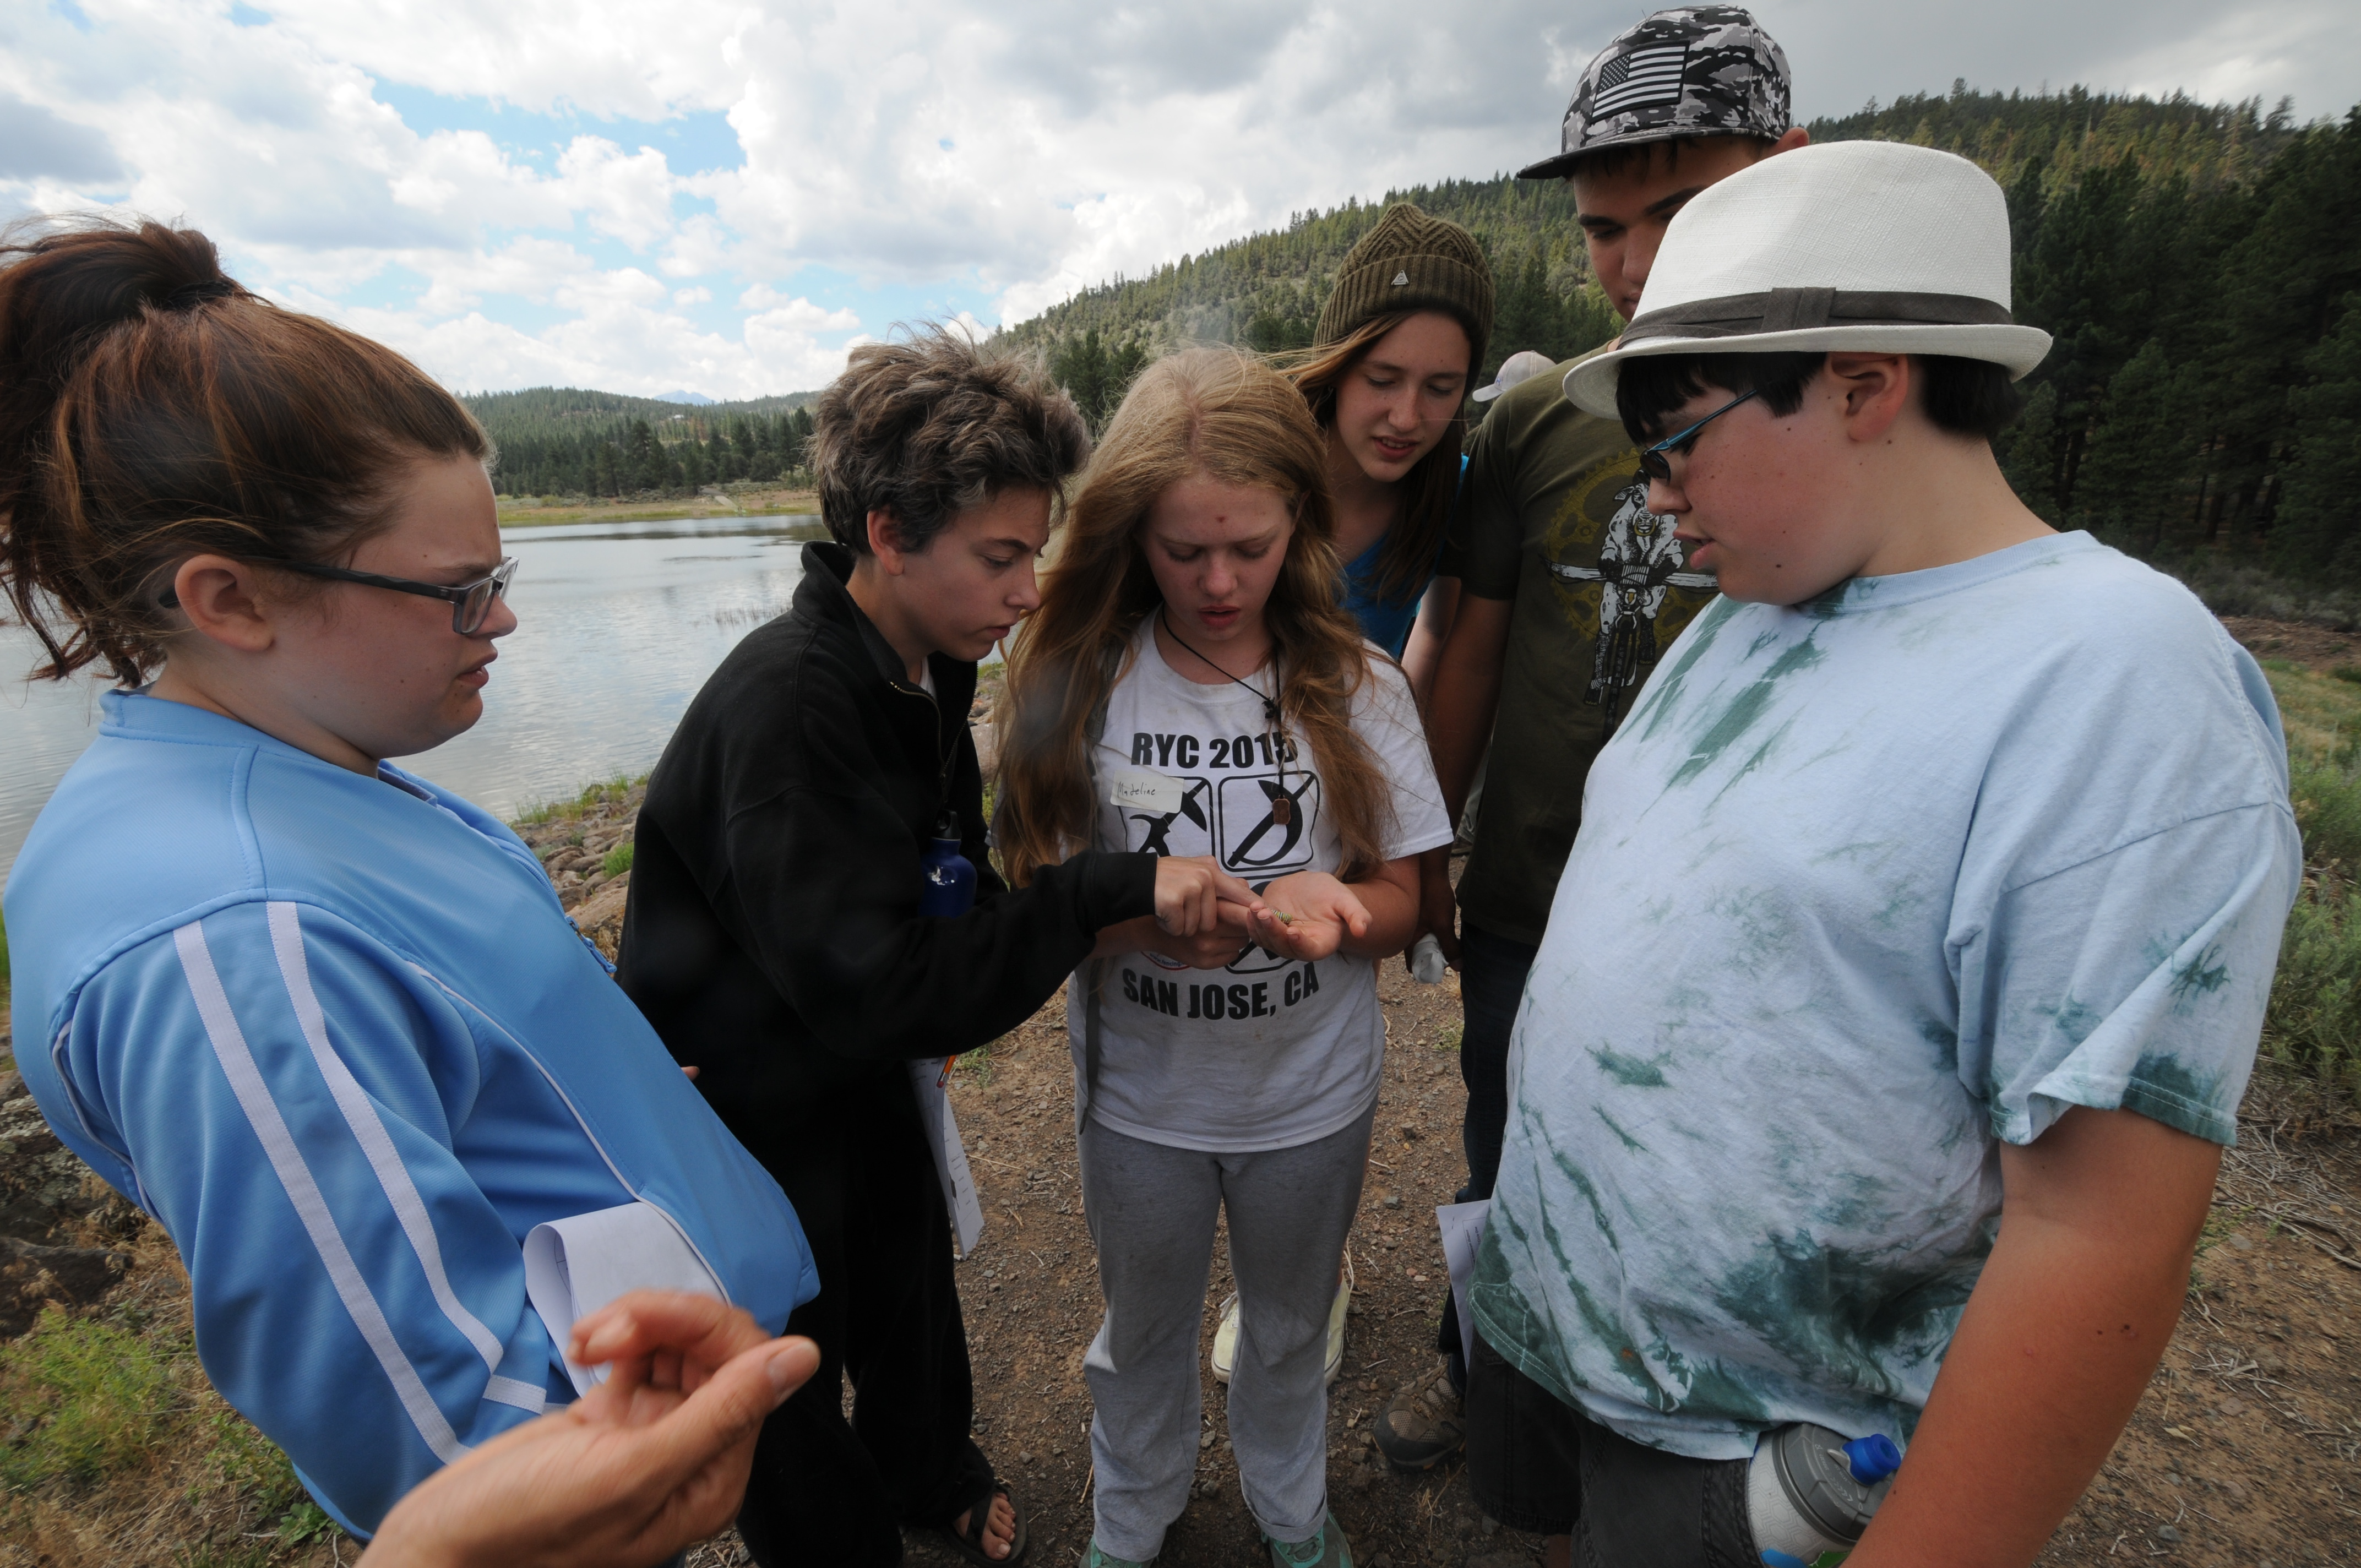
x: 1863, y: 887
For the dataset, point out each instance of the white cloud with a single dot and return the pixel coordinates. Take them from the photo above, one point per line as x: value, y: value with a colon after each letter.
x: 920, y: 148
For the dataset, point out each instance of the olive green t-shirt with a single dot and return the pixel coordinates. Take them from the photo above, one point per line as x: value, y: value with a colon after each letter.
x: 1553, y: 517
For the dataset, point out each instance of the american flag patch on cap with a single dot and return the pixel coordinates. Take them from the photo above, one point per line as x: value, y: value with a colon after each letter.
x: 1644, y: 76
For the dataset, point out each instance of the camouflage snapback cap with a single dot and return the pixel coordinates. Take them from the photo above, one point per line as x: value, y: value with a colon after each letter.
x: 1694, y: 71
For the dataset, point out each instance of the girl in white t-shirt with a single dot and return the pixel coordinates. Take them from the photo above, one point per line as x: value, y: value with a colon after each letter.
x: 1191, y: 686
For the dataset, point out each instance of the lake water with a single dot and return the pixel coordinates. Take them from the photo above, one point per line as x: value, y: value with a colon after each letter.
x: 619, y: 623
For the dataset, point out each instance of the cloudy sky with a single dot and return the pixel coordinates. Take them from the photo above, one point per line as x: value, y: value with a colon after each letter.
x: 721, y: 196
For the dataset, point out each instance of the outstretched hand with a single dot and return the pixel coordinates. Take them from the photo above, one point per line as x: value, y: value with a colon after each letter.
x: 653, y: 1459
x: 1308, y: 916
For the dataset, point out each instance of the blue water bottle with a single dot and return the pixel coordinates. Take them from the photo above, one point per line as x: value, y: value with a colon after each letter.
x: 946, y: 877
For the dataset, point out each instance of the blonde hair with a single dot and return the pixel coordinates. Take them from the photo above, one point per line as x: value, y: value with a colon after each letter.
x: 1223, y: 414
x: 1407, y: 559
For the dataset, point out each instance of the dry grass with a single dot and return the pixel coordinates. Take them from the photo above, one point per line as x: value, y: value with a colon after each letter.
x: 115, y: 1450
x: 757, y: 502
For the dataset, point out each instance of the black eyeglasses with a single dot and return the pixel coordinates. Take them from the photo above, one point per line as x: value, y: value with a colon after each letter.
x: 1657, y: 461
x: 471, y: 603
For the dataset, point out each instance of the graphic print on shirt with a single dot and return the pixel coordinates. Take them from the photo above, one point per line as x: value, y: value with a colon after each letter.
x: 1610, y: 551
x: 1228, y: 815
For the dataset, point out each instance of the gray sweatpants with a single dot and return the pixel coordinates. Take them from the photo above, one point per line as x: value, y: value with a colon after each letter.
x: 1151, y: 1210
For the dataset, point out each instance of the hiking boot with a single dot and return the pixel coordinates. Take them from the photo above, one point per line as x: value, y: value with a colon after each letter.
x: 1326, y: 1549
x: 1424, y: 1422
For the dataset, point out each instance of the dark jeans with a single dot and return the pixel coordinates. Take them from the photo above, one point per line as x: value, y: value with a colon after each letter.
x: 1491, y: 985
x: 1535, y: 1462
x: 825, y: 1489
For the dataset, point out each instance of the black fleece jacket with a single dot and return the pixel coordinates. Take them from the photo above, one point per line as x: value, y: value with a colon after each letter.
x: 772, y: 933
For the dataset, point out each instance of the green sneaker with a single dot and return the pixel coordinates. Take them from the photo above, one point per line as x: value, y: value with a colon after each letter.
x: 1096, y: 1558
x: 1326, y: 1549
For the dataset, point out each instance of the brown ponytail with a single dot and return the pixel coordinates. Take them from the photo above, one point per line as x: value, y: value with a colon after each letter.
x: 151, y: 410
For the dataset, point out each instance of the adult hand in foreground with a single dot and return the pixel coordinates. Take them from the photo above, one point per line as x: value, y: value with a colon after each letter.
x: 1189, y: 892
x: 650, y: 1460
x: 1309, y: 915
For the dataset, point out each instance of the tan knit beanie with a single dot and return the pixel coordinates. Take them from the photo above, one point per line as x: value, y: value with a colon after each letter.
x: 1411, y: 262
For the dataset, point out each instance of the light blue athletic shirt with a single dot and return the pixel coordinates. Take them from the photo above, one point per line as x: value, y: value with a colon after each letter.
x: 1863, y: 888
x: 336, y: 1036
x: 1386, y: 622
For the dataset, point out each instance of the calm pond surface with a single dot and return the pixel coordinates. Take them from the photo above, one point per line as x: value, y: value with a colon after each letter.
x: 619, y: 625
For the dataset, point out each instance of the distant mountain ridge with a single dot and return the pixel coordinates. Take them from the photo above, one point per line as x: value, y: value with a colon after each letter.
x: 575, y: 441
x: 699, y: 399
x: 1266, y: 289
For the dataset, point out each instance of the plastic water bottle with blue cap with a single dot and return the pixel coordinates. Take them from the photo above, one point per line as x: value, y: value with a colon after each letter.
x: 1810, y: 1491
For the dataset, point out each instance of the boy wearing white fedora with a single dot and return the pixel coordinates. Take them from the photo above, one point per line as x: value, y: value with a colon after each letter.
x: 1893, y: 1110
x: 1569, y: 585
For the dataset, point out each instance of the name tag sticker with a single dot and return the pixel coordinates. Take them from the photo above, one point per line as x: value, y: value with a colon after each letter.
x: 1141, y: 789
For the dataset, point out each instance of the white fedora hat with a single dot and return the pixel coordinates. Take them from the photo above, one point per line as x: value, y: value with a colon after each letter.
x: 1868, y: 245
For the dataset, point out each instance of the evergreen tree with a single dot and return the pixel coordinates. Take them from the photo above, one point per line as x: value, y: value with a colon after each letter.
x: 2319, y: 521
x: 2134, y: 487
x: 2028, y: 453
x: 1095, y: 376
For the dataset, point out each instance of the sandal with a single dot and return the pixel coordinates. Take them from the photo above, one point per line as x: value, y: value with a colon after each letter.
x: 970, y: 1543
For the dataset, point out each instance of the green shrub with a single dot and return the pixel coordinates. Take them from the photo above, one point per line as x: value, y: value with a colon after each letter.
x: 80, y: 1398
x: 2315, y: 1020
x: 2328, y: 808
x: 619, y: 859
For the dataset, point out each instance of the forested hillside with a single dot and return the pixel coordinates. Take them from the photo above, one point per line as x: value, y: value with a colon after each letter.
x: 565, y: 441
x: 2198, y: 264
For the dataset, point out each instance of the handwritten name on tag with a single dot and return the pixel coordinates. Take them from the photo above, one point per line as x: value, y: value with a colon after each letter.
x: 1139, y: 789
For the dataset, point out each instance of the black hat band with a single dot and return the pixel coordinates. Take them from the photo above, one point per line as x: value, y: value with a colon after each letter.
x: 1800, y: 309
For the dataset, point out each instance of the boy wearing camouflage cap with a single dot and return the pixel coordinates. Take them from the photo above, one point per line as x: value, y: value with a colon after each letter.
x: 1569, y: 586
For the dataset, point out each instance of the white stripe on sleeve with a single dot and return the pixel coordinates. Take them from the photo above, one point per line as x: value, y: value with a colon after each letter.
x: 514, y: 1391
x: 368, y: 1131
x: 279, y: 1144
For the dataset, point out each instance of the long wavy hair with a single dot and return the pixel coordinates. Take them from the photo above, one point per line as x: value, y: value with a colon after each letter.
x: 1225, y: 415
x: 1407, y: 558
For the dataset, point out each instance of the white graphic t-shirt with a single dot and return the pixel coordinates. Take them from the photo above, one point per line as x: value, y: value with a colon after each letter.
x: 1270, y: 1052
x: 1865, y: 888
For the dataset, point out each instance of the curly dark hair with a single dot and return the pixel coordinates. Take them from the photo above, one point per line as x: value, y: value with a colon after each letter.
x: 927, y: 427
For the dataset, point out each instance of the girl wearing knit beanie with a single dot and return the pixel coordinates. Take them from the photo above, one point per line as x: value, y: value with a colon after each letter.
x: 1400, y: 339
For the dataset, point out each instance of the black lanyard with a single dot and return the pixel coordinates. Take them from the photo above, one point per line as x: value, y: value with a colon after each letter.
x: 1282, y: 808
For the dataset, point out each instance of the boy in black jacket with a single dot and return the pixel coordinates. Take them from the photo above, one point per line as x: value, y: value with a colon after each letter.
x: 774, y: 935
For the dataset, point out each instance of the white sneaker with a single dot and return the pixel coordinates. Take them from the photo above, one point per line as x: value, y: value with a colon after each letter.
x: 1226, y: 1337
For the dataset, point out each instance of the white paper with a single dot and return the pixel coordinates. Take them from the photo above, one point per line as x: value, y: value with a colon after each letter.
x: 574, y: 1265
x: 1463, y: 1231
x: 1144, y: 789
x: 950, y: 1158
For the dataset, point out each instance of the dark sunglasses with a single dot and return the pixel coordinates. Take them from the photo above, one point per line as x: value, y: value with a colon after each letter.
x: 1656, y: 462
x: 471, y: 603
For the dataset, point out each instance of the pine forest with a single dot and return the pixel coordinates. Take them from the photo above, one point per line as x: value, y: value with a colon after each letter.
x: 2198, y: 265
